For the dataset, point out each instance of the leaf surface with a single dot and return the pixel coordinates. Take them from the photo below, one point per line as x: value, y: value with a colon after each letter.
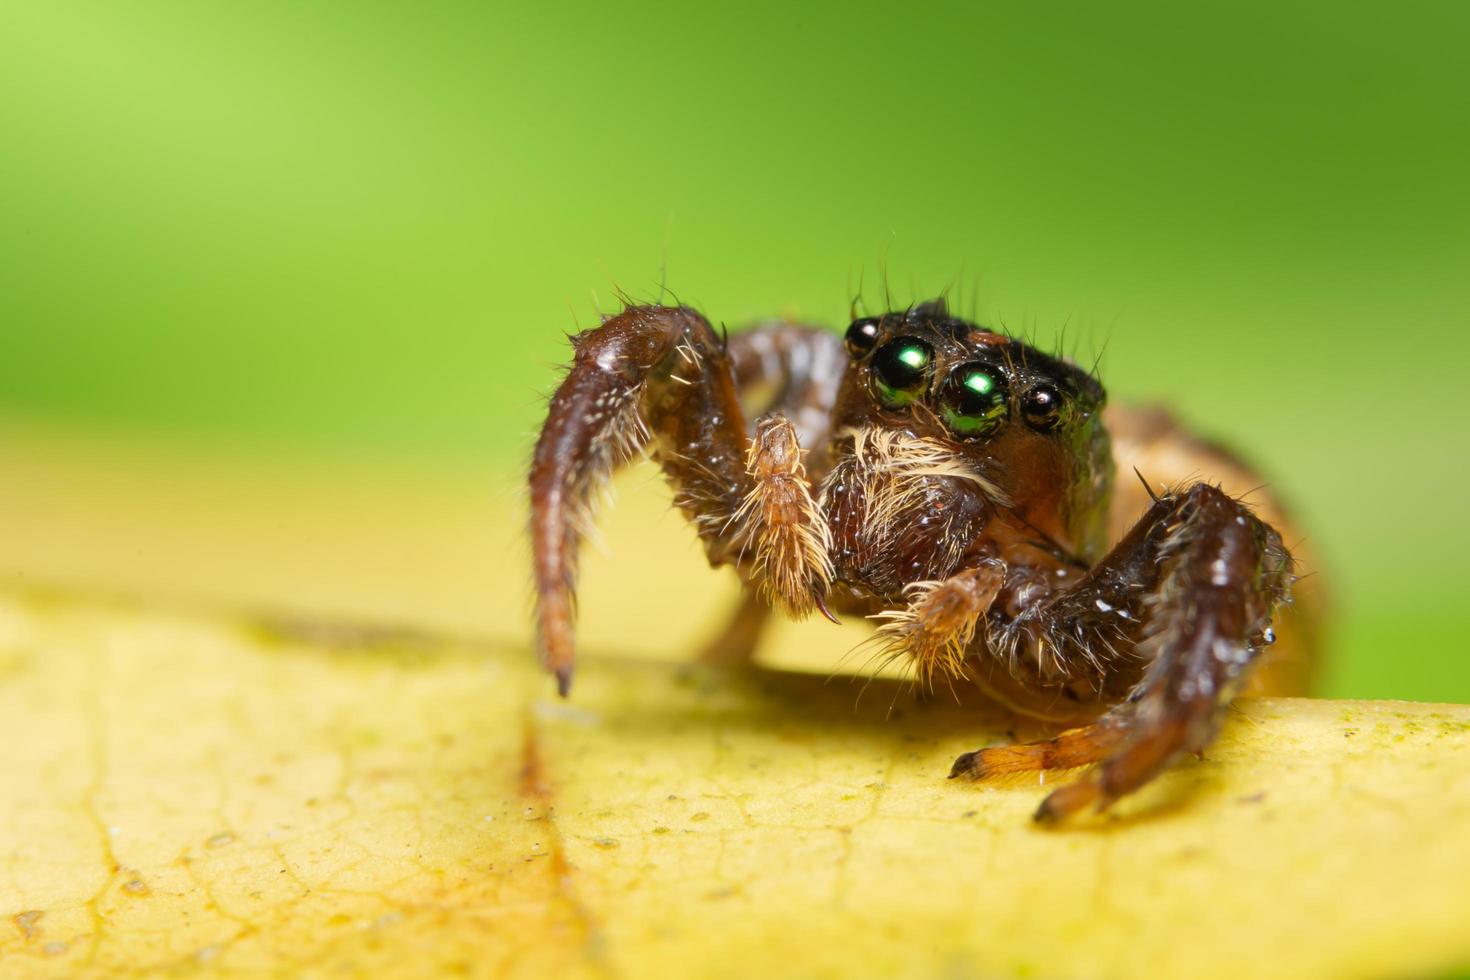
x: 190, y: 793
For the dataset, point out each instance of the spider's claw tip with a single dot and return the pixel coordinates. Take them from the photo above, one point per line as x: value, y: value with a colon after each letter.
x: 822, y: 605
x: 1046, y: 815
x: 563, y: 680
x: 963, y: 766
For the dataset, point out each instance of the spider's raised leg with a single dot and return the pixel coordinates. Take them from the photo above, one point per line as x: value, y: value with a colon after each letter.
x: 658, y: 376
x: 1150, y: 440
x: 1199, y: 577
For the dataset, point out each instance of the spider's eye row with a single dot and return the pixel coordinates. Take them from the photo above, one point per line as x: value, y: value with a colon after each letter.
x: 1042, y: 407
x: 901, y: 371
x: 861, y: 337
x: 973, y: 400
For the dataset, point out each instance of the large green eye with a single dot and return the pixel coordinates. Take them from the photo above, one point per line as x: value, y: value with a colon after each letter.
x: 973, y: 400
x: 901, y: 371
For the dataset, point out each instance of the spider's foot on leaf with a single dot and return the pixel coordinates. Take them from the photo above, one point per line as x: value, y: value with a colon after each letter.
x: 971, y: 765
x: 1069, y: 800
x: 1010, y: 759
x: 1069, y: 750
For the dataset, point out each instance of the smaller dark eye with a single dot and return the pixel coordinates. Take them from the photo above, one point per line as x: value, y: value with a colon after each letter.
x: 1042, y: 408
x: 901, y: 370
x: 973, y: 400
x: 861, y: 337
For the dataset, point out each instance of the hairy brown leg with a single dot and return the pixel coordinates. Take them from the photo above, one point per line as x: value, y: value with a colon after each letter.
x: 648, y: 374
x: 792, y: 370
x: 1077, y: 747
x: 1202, y: 620
x: 656, y: 376
x: 734, y: 643
x: 1152, y: 442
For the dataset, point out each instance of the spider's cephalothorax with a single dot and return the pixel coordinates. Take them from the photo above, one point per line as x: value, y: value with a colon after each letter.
x: 953, y: 443
x: 954, y: 484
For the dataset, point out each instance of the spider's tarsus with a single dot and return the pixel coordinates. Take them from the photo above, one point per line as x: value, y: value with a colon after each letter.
x: 1070, y: 799
x: 563, y: 680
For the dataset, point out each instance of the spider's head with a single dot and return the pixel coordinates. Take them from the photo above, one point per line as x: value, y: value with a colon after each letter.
x: 924, y: 365
x: 1027, y: 420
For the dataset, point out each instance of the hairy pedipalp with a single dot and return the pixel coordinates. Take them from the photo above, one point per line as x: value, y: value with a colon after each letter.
x: 779, y: 518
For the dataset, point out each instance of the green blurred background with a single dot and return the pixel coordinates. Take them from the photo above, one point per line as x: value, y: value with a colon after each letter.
x: 359, y: 227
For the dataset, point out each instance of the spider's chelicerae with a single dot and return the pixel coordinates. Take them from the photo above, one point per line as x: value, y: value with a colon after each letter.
x: 957, y: 485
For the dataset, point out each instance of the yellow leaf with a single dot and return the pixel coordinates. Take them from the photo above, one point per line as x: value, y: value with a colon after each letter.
x: 197, y: 795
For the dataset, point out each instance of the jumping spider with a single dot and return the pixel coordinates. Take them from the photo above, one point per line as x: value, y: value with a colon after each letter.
x: 956, y: 485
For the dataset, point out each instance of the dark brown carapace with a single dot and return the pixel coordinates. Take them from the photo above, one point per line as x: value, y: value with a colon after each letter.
x: 957, y: 486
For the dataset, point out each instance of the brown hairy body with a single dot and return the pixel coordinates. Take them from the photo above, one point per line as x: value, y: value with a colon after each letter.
x: 958, y: 487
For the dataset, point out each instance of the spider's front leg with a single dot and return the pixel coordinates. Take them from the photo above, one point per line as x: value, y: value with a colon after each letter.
x: 1198, y: 578
x: 661, y: 377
